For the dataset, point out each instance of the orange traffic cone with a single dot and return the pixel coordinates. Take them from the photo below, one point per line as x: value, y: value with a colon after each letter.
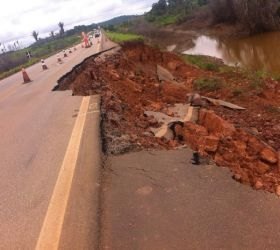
x: 44, y: 66
x: 59, y: 60
x: 25, y: 76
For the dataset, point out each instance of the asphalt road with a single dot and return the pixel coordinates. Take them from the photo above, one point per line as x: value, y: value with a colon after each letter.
x: 35, y: 128
x: 158, y: 200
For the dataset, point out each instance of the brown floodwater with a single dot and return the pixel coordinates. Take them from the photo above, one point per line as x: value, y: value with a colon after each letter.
x: 259, y: 52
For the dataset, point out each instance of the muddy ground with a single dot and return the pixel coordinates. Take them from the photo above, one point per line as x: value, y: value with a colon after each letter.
x: 128, y: 82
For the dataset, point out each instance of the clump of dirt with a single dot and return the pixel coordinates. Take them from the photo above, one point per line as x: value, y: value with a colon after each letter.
x: 128, y: 81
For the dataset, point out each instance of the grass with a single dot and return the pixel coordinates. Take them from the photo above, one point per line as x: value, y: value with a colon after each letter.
x: 18, y: 68
x: 202, y: 62
x: 208, y: 84
x: 38, y: 51
x: 123, y: 37
x: 166, y: 20
x: 163, y: 20
x: 257, y: 79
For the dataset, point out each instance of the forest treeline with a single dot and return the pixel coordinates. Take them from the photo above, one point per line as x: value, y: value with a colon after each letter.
x: 255, y: 15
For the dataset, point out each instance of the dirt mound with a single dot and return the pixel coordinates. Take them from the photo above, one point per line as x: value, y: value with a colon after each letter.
x: 129, y: 83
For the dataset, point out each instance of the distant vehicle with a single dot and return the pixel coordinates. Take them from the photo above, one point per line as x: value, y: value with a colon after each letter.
x: 97, y: 34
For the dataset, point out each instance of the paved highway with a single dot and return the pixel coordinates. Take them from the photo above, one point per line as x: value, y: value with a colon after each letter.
x: 49, y: 160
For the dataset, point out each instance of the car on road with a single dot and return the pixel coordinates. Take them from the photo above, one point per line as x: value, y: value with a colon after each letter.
x: 97, y: 34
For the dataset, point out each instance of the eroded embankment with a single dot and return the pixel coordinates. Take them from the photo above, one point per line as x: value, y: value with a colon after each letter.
x: 129, y: 83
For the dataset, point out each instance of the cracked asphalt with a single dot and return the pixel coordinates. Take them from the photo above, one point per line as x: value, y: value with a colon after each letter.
x: 156, y: 200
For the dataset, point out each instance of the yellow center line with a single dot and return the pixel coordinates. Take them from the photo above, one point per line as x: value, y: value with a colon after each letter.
x: 51, y: 230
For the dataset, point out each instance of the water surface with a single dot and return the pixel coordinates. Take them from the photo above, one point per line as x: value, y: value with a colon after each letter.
x: 260, y: 52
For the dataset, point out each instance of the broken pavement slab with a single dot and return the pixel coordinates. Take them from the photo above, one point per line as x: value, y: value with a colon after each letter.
x: 183, y: 113
x: 218, y: 102
x: 164, y: 75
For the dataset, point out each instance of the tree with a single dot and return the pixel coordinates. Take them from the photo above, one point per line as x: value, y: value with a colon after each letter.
x: 35, y: 35
x: 255, y: 15
x: 61, y: 26
x: 159, y: 8
x: 223, y: 10
x: 202, y: 2
x: 52, y: 34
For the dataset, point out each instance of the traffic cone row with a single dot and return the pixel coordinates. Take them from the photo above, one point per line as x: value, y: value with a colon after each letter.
x: 25, y: 76
x: 59, y: 60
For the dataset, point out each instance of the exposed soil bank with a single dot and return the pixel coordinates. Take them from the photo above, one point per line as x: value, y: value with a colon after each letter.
x: 128, y: 83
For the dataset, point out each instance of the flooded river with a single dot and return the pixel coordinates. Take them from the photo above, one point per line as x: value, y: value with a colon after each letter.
x: 260, y: 52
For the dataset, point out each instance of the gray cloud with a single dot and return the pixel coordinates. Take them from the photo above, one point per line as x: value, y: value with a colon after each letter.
x: 22, y: 17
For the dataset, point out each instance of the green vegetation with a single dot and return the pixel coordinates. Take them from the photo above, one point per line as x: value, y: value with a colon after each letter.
x: 18, y: 68
x: 164, y: 20
x: 123, y: 37
x: 209, y: 63
x: 166, y: 12
x: 53, y: 46
x: 243, y: 12
x: 12, y: 62
x: 203, y: 62
x: 208, y: 84
x: 257, y: 79
x: 254, y: 15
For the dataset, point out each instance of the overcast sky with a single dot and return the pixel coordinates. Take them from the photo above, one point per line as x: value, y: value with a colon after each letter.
x: 19, y: 18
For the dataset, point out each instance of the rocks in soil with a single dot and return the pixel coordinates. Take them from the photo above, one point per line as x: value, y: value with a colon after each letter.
x: 269, y: 155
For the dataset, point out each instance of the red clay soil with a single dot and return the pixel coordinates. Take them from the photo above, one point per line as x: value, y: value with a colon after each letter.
x: 128, y: 83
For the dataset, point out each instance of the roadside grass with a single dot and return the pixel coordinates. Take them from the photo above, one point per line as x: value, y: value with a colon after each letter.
x: 167, y: 20
x: 257, y: 79
x: 38, y: 51
x: 119, y: 37
x: 18, y: 68
x: 203, y: 62
x: 208, y: 84
x: 253, y: 80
